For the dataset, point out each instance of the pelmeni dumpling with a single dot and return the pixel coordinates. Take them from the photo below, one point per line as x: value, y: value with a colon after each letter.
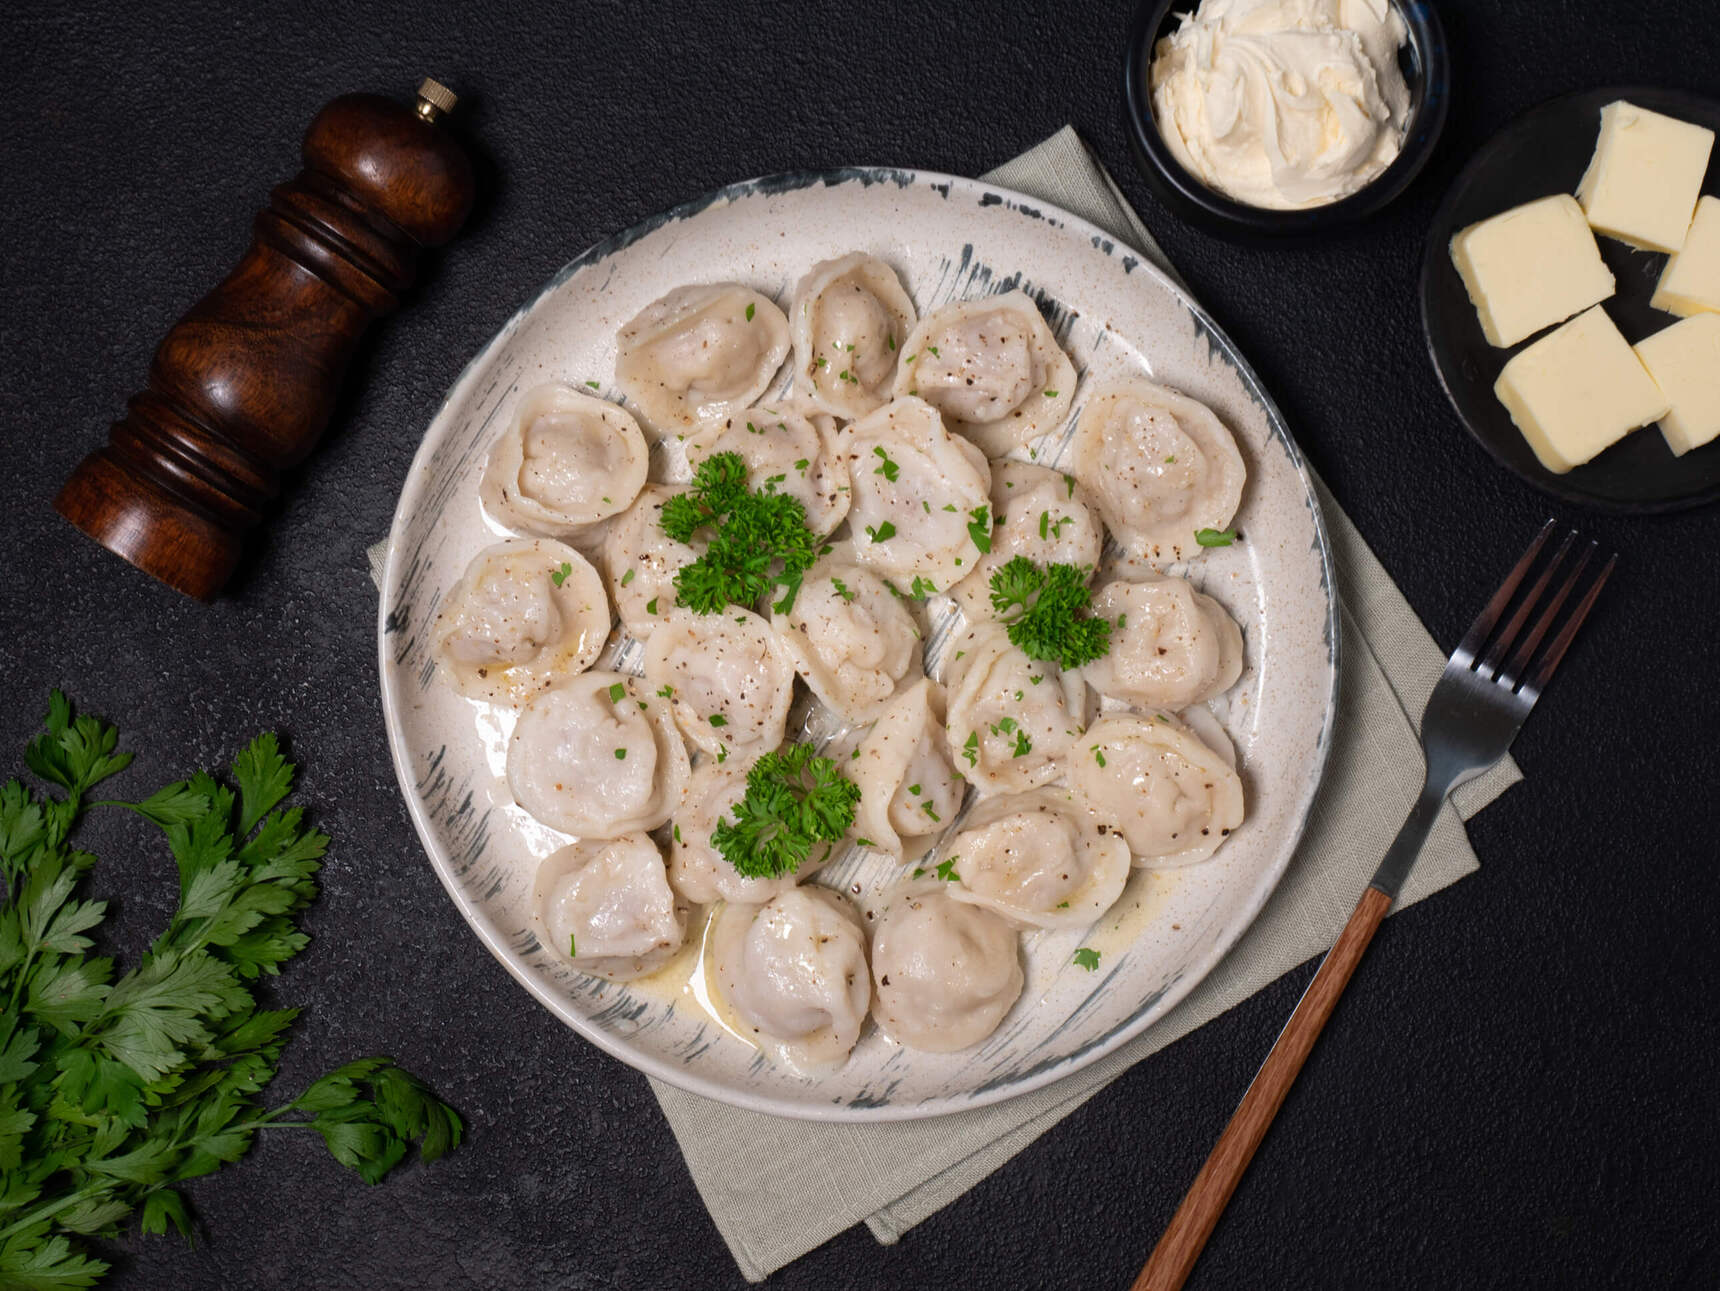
x: 851, y: 638
x: 1036, y: 513
x: 849, y: 319
x: 606, y: 905
x: 641, y: 561
x: 699, y: 352
x: 945, y: 971
x: 993, y: 368
x: 917, y: 488
x: 785, y: 452
x: 697, y: 869
x: 1171, y: 647
x: 1159, y: 466
x: 565, y: 464
x: 1038, y: 858
x: 793, y: 974
x: 1011, y: 719
x: 597, y: 757
x: 1157, y: 786
x: 908, y: 789
x: 523, y: 614
x: 729, y: 680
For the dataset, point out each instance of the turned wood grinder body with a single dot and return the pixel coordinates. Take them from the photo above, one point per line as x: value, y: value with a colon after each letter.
x: 242, y: 387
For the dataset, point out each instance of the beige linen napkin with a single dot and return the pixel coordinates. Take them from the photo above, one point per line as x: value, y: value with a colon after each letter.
x: 778, y: 1188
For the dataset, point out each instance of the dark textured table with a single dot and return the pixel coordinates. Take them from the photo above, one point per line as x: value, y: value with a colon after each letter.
x: 1518, y: 1089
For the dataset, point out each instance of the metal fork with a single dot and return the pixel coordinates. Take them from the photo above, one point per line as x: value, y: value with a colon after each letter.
x: 1473, y: 715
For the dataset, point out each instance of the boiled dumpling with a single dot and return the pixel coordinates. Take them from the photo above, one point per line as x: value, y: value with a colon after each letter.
x: 917, y: 489
x: 1038, y: 858
x: 606, y: 905
x: 1159, y: 465
x: 1040, y: 514
x: 597, y: 757
x: 1011, y: 718
x: 993, y: 368
x: 785, y: 452
x: 565, y: 464
x: 727, y: 677
x: 908, y: 789
x: 697, y: 869
x: 793, y: 974
x: 701, y: 351
x: 1171, y: 647
x: 849, y: 319
x: 1159, y: 787
x: 642, y: 560
x: 946, y: 972
x: 523, y: 614
x: 851, y: 638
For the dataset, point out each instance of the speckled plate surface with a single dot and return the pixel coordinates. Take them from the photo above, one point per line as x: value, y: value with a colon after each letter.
x: 1114, y: 313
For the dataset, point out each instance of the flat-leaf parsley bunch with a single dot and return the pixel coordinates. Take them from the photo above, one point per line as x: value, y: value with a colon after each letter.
x: 117, y: 1086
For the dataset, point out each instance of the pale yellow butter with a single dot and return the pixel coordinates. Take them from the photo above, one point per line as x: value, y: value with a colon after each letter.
x: 1642, y: 182
x: 1684, y: 360
x: 1578, y: 390
x: 1690, y: 283
x: 1530, y: 267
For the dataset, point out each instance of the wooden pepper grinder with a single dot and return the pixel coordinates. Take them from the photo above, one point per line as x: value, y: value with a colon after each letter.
x: 241, y: 389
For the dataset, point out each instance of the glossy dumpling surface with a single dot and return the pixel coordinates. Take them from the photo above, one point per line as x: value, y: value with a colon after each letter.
x: 1011, y: 719
x: 729, y: 679
x: 523, y: 614
x: 849, y: 319
x: 701, y: 351
x: 697, y: 870
x: 641, y: 561
x: 1038, y: 858
x: 597, y: 757
x: 908, y: 788
x: 566, y: 463
x: 1172, y: 646
x: 1037, y: 513
x: 993, y: 368
x: 606, y: 905
x: 851, y: 638
x: 1159, y: 466
x: 786, y: 451
x: 945, y: 971
x: 916, y: 489
x: 793, y: 974
x: 1172, y: 798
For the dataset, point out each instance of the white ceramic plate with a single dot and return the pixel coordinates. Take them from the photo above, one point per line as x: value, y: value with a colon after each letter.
x: 1114, y: 313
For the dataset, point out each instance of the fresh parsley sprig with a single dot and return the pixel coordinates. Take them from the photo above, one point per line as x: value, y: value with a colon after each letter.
x: 760, y: 542
x: 794, y: 800
x: 115, y: 1089
x: 1051, y: 621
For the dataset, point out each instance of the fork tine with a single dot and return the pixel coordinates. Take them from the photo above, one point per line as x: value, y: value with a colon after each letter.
x: 1562, y: 642
x: 1512, y: 672
x: 1494, y: 663
x: 1476, y: 637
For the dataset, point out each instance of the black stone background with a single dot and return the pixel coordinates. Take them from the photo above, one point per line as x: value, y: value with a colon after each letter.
x: 1518, y: 1090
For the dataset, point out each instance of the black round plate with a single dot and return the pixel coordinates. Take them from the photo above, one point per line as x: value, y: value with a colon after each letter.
x: 1546, y: 151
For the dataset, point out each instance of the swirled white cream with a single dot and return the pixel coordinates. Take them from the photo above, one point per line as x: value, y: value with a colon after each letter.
x: 1283, y: 103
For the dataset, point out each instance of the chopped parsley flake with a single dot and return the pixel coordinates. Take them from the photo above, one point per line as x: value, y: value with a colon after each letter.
x: 979, y: 528
x: 889, y: 470
x: 560, y: 576
x: 843, y: 591
x: 882, y: 533
x: 628, y: 577
x: 947, y: 870
x: 620, y: 755
x: 749, y: 312
x: 1099, y: 755
x: 617, y: 693
x: 1087, y: 958
x: 717, y: 719
x: 1215, y: 537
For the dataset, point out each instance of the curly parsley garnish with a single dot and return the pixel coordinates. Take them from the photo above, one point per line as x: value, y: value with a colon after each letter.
x: 794, y: 800
x: 1051, y: 622
x: 761, y: 540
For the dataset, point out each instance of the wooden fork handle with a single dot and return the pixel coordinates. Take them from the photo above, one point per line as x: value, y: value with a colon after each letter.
x: 1174, y: 1257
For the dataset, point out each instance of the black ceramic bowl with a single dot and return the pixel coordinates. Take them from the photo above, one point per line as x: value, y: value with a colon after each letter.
x: 1426, y: 69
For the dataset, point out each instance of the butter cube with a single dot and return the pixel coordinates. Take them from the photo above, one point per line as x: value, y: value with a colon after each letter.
x: 1530, y: 267
x: 1690, y: 283
x: 1578, y: 390
x: 1684, y: 361
x: 1642, y: 183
